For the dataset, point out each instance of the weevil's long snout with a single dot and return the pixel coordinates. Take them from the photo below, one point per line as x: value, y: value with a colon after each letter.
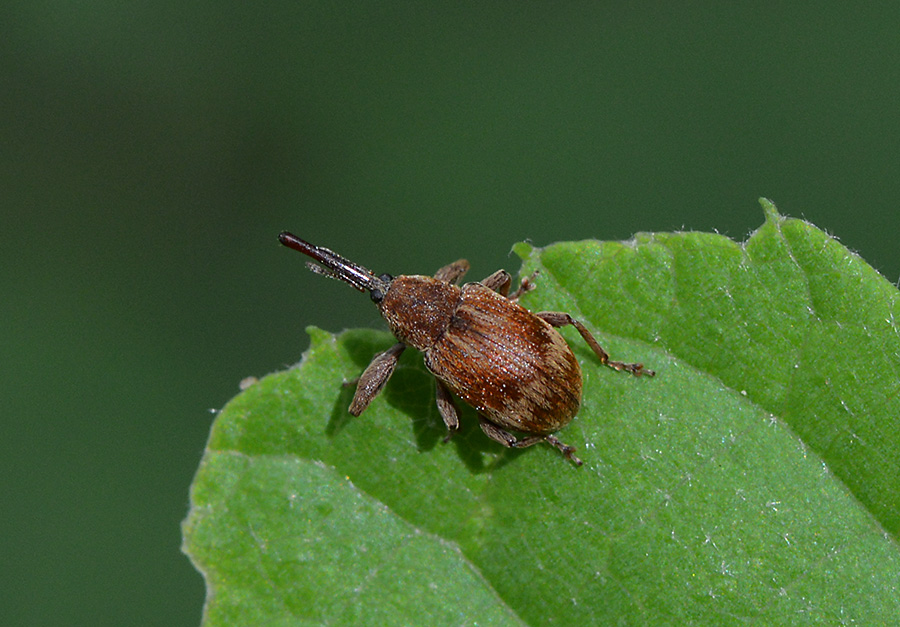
x: 335, y: 266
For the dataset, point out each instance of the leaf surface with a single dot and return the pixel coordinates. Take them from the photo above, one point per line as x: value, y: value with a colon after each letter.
x: 754, y: 478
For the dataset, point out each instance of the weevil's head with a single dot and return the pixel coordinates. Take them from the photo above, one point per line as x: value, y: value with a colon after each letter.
x: 417, y: 308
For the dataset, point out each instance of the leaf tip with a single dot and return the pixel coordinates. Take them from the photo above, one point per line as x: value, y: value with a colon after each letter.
x: 318, y: 336
x: 770, y: 210
x: 523, y: 250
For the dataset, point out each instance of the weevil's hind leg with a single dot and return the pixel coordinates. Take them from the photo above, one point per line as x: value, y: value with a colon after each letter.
x: 567, y: 451
x: 560, y: 319
x: 451, y: 273
x: 508, y: 440
x: 447, y: 409
x: 374, y: 377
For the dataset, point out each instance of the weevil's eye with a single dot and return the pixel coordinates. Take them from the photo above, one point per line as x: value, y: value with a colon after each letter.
x: 377, y: 294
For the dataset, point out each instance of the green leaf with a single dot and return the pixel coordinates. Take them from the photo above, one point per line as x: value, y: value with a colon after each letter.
x: 754, y: 478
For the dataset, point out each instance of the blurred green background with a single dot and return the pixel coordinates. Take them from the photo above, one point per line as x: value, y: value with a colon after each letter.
x: 152, y: 151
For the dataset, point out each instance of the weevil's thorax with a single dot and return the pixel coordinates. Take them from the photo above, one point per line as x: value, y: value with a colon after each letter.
x: 419, y: 308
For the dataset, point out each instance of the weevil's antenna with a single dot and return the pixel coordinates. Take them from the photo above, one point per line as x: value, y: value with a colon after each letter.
x: 335, y: 266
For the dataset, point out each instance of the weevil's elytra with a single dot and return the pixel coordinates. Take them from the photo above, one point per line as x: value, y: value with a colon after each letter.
x: 525, y: 359
x: 508, y: 363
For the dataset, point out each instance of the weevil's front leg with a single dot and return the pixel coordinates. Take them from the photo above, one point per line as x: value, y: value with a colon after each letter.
x: 451, y: 273
x: 507, y: 439
x: 374, y: 377
x: 560, y: 319
x: 525, y: 286
x: 500, y: 282
x: 447, y: 408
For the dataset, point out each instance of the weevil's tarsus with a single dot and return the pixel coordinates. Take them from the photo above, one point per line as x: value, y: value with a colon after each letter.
x: 508, y: 440
x: 501, y: 281
x: 525, y: 286
x: 560, y: 319
x: 504, y: 437
x: 567, y: 451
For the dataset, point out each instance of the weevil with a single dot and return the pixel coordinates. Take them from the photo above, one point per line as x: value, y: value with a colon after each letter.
x: 507, y: 362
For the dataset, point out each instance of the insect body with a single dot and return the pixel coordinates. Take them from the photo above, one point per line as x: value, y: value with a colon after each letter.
x: 508, y: 363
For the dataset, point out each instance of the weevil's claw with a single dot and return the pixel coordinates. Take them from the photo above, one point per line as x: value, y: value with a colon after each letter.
x: 567, y: 451
x: 637, y: 370
x: 525, y: 286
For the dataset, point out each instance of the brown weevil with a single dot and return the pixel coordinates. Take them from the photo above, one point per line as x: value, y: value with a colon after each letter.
x: 508, y: 363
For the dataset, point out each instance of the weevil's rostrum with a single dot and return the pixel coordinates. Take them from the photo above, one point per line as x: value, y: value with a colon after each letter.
x: 509, y: 363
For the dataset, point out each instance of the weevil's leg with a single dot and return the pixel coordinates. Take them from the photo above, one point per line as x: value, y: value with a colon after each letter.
x: 525, y: 286
x: 453, y: 272
x: 447, y: 408
x: 509, y: 440
x: 506, y: 438
x: 560, y: 319
x: 499, y: 282
x: 567, y: 451
x: 374, y: 377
